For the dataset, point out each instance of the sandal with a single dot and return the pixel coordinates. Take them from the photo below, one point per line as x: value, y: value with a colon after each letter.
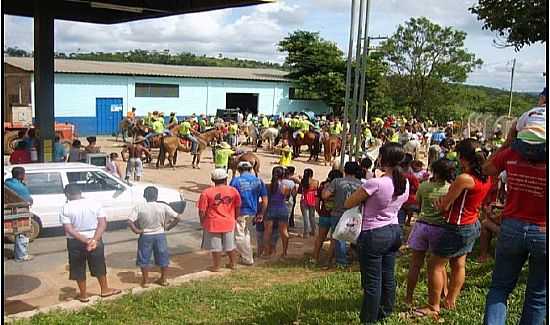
x: 425, y: 312
x: 113, y: 292
x: 231, y: 266
x: 83, y: 300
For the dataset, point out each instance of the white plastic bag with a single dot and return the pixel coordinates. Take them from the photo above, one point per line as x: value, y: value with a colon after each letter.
x: 349, y: 225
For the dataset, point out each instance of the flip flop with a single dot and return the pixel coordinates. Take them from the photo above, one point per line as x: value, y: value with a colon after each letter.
x: 83, y: 300
x: 231, y: 267
x: 425, y: 312
x: 113, y: 292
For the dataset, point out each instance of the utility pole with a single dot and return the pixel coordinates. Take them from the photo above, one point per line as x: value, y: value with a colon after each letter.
x: 356, y: 81
x: 361, y: 99
x: 348, y: 85
x: 511, y: 87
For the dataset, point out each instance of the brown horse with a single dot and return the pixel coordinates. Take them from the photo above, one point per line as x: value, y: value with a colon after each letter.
x: 170, y: 145
x: 247, y: 156
x: 332, y: 145
x: 128, y: 129
x: 310, y: 139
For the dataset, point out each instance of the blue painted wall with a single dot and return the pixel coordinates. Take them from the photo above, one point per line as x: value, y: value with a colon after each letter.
x: 75, y: 97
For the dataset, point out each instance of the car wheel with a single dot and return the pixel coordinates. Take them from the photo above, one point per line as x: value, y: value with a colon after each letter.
x: 36, y: 228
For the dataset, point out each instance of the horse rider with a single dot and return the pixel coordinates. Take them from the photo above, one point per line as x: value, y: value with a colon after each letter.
x: 131, y: 117
x: 157, y: 127
x: 173, y: 120
x: 187, y: 132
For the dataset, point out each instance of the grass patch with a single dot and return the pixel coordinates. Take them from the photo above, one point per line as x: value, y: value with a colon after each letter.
x: 292, y: 292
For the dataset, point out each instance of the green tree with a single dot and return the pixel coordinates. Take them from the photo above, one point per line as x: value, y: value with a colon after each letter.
x: 317, y: 67
x: 424, y: 57
x: 520, y: 22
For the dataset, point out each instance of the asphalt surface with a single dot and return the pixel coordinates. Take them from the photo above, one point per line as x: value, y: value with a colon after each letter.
x: 50, y: 250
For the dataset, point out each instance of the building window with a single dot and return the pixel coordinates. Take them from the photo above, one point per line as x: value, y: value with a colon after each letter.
x: 157, y: 90
x: 300, y: 94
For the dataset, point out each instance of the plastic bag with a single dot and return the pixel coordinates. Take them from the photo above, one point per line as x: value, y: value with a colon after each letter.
x: 349, y: 225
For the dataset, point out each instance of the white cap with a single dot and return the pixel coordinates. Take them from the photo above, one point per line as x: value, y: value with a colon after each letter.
x: 245, y: 164
x: 218, y: 174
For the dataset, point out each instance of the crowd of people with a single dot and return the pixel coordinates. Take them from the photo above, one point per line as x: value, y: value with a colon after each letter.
x: 467, y: 190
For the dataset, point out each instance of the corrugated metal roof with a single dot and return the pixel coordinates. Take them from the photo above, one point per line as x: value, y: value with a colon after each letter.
x: 146, y: 69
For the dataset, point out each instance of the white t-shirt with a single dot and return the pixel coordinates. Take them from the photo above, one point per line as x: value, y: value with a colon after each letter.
x: 83, y: 215
x: 151, y: 217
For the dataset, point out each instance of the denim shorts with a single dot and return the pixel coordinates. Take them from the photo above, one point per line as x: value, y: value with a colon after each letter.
x: 424, y: 236
x: 328, y: 222
x: 155, y: 245
x: 457, y: 240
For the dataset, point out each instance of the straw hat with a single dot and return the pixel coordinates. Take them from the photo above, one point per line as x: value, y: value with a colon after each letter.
x: 225, y: 145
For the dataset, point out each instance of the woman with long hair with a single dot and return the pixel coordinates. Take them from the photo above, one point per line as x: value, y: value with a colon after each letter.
x: 277, y: 192
x: 380, y: 238
x: 326, y: 222
x: 308, y: 189
x: 460, y: 209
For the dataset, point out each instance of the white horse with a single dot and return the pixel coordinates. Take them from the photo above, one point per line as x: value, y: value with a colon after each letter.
x: 269, y: 135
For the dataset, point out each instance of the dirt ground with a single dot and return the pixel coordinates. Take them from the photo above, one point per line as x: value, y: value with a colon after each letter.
x: 193, y: 181
x: 53, y: 287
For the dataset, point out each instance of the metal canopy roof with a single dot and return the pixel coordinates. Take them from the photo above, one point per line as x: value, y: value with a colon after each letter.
x: 147, y: 69
x: 119, y: 11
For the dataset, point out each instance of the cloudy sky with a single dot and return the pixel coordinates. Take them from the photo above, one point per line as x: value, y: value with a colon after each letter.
x: 253, y: 32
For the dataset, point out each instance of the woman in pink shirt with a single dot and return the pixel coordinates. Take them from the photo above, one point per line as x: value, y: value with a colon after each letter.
x: 380, y: 238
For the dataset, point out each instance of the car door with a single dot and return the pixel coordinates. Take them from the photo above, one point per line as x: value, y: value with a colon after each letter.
x: 48, y: 197
x: 114, y: 196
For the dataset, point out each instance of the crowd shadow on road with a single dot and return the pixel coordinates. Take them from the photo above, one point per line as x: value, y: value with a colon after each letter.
x: 194, y: 187
x: 67, y: 293
x: 16, y: 306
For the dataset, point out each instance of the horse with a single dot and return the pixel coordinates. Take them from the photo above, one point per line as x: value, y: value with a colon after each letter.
x: 332, y: 145
x: 247, y: 156
x: 311, y: 139
x: 129, y: 129
x: 270, y: 135
x: 170, y: 145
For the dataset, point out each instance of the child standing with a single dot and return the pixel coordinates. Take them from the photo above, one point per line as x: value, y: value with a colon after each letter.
x: 286, y: 155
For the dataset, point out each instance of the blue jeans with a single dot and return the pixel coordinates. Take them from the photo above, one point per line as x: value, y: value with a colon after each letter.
x: 518, y: 242
x: 377, y: 251
x: 308, y: 213
x: 21, y: 246
x: 194, y: 143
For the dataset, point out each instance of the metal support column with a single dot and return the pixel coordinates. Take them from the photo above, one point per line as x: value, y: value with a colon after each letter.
x: 362, y: 90
x: 44, y: 79
x: 356, y: 81
x: 348, y: 86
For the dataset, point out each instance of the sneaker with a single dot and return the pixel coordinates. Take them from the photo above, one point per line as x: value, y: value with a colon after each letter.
x: 25, y: 259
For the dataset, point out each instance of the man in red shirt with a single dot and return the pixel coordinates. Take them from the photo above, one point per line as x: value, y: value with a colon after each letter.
x: 219, y: 207
x: 522, y: 237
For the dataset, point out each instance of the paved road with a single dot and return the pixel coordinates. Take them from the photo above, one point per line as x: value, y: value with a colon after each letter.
x: 120, y: 245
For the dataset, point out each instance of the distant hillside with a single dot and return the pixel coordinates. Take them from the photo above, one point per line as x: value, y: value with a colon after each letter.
x: 156, y: 57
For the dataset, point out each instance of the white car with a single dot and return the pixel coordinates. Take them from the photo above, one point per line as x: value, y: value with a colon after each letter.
x: 46, y: 182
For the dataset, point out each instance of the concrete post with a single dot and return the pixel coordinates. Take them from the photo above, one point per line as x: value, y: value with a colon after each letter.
x: 44, y: 79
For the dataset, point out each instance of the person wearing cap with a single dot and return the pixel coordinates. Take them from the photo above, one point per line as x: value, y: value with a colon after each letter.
x: 84, y: 222
x: 523, y: 229
x: 221, y: 157
x: 135, y: 165
x: 252, y: 191
x: 150, y: 220
x: 219, y: 207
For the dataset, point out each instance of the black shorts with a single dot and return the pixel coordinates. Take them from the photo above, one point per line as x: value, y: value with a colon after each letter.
x: 78, y: 256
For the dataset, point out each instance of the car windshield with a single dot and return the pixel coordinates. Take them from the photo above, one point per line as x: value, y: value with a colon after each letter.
x: 94, y: 181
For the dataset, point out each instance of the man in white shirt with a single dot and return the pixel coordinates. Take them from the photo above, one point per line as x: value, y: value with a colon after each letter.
x: 149, y: 220
x: 84, y: 222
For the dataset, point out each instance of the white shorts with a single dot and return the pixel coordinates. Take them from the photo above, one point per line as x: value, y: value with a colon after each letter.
x: 134, y: 166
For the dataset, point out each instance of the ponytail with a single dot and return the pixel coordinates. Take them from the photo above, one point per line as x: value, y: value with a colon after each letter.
x: 399, y: 181
x: 276, y: 176
x: 391, y: 155
x: 470, y: 151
